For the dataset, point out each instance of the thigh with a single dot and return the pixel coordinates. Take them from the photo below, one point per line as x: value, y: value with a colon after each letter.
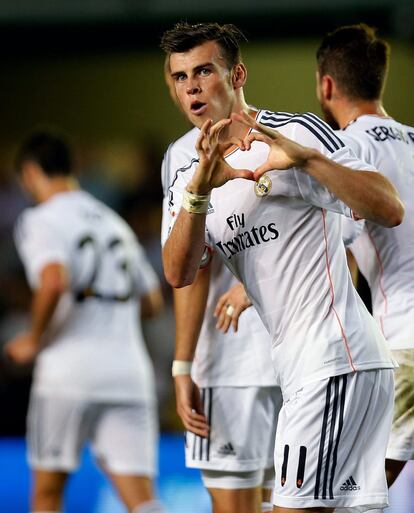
x: 331, y: 442
x: 57, y: 429
x: 401, y: 444
x: 125, y: 438
x: 242, y: 426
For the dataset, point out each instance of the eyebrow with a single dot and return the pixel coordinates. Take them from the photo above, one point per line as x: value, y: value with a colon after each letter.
x: 196, y: 69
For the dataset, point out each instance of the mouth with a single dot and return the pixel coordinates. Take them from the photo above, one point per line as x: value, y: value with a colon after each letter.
x: 198, y: 108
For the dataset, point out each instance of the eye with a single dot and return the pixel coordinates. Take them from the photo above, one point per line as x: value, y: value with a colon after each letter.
x: 180, y: 77
x: 205, y: 72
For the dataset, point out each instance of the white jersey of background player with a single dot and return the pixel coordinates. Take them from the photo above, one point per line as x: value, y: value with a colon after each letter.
x: 93, y: 380
x: 225, y: 366
x: 353, y: 101
x: 282, y: 237
x: 386, y: 257
x: 96, y: 318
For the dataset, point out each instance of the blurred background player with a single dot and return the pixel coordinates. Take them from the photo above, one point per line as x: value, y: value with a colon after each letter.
x: 352, y: 70
x: 230, y: 402
x: 93, y: 379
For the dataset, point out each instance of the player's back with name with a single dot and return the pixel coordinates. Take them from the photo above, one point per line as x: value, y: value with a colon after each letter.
x: 386, y: 256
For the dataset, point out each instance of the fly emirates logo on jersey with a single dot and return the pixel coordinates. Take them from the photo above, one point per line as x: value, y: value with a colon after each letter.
x: 246, y: 238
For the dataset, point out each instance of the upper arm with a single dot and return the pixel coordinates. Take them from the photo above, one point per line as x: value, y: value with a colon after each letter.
x: 327, y: 142
x: 40, y: 243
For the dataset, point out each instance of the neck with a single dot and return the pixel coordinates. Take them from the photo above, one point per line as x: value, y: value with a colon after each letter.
x: 349, y: 110
x: 57, y: 185
x: 235, y: 129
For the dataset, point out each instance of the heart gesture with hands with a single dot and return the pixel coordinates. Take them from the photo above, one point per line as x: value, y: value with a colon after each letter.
x: 284, y: 153
x: 212, y: 170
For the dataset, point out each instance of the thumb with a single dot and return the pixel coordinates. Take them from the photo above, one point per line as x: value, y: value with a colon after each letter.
x: 261, y: 170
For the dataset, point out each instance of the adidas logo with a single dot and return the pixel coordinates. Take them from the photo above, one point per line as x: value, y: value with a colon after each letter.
x: 227, y: 449
x: 350, y: 485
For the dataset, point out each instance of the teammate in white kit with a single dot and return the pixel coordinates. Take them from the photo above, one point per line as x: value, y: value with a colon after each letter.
x: 93, y: 379
x: 281, y: 236
x: 352, y: 100
x: 231, y: 429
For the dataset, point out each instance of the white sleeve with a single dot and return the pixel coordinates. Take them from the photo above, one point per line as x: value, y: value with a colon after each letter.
x: 179, y: 174
x: 145, y: 277
x: 39, y: 243
x: 325, y: 140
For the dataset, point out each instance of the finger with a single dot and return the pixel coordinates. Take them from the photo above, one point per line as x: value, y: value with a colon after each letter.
x: 216, y: 129
x: 203, y: 432
x: 202, y: 136
x: 247, y: 120
x: 235, y: 319
x: 195, y: 425
x: 233, y: 141
x: 255, y: 136
x: 261, y: 170
x: 191, y: 413
x: 220, y: 304
x: 242, y: 173
x: 223, y: 320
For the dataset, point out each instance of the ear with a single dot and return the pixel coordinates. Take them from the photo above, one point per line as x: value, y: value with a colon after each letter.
x: 30, y: 174
x: 327, y: 86
x: 238, y: 75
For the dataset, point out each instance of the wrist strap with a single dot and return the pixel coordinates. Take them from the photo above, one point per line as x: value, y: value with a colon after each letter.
x: 181, y: 368
x: 195, y: 203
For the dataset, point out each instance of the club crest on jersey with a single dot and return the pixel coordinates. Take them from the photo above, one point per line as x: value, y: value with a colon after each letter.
x: 263, y: 186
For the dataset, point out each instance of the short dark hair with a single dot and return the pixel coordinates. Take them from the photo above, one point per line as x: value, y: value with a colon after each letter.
x: 357, y: 59
x: 49, y: 149
x: 184, y: 36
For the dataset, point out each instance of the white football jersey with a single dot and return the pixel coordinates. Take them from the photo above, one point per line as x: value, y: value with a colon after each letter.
x: 283, y: 241
x: 95, y: 348
x: 232, y: 359
x: 386, y: 255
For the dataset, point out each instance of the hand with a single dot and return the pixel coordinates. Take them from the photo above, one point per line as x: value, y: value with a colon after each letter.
x: 230, y: 306
x: 284, y: 153
x: 22, y: 349
x: 212, y: 170
x: 189, y: 408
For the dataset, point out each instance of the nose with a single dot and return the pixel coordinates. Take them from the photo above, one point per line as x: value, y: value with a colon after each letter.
x: 193, y: 87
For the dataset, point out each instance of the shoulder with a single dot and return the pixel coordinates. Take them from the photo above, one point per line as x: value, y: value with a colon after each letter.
x: 304, y: 128
x: 183, y: 149
x: 180, y: 156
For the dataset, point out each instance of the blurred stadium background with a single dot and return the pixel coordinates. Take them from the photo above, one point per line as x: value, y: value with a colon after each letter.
x: 93, y: 68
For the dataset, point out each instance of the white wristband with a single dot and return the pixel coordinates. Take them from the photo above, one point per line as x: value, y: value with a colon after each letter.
x: 181, y: 368
x: 195, y: 203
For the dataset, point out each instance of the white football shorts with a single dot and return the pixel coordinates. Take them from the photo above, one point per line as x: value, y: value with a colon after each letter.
x: 123, y: 436
x: 401, y: 444
x: 331, y: 441
x: 241, y: 440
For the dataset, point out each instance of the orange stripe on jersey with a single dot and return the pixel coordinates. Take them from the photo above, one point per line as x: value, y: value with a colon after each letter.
x: 328, y: 270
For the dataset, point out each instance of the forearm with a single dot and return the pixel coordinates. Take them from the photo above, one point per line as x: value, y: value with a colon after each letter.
x: 370, y: 195
x: 44, y: 303
x: 52, y: 284
x: 184, y: 248
x: 189, y: 307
